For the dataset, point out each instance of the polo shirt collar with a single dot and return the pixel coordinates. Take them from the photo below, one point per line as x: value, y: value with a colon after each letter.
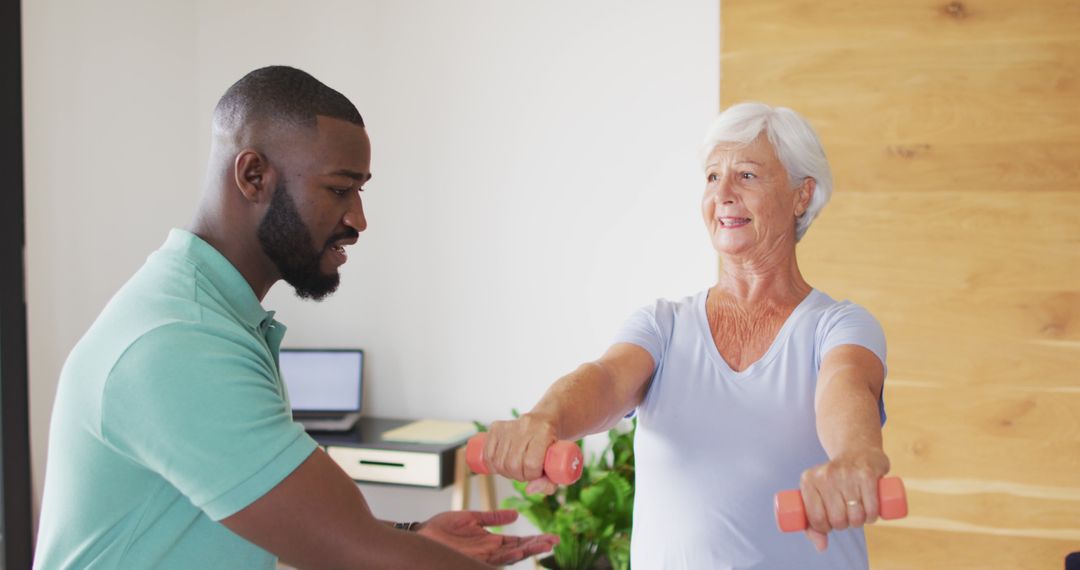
x: 224, y: 277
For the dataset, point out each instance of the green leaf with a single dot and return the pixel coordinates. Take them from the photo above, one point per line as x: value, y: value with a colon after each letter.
x: 618, y: 552
x: 597, y: 497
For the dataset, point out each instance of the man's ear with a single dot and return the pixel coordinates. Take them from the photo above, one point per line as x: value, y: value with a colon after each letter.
x: 253, y: 176
x: 805, y: 193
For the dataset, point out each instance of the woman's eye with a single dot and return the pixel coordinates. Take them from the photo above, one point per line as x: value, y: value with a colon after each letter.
x: 747, y: 175
x: 712, y: 178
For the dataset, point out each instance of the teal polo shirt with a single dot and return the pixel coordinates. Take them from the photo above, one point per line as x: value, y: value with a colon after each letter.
x: 170, y: 415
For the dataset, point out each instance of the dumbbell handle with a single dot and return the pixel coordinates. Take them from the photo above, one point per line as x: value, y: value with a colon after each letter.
x: 562, y: 464
x: 791, y: 512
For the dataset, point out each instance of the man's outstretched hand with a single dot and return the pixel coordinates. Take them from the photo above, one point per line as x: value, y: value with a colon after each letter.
x: 464, y: 531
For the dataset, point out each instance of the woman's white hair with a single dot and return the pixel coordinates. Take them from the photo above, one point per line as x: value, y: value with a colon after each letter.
x: 796, y: 144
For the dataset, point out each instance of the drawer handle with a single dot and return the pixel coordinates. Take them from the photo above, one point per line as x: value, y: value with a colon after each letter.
x: 381, y: 463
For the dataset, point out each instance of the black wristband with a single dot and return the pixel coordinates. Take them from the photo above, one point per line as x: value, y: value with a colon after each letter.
x: 407, y: 526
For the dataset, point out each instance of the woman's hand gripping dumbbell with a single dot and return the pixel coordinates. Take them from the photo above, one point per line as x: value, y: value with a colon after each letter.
x: 791, y: 512
x: 562, y: 463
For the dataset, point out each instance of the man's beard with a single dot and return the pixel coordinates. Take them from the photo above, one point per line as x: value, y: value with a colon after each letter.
x: 288, y: 243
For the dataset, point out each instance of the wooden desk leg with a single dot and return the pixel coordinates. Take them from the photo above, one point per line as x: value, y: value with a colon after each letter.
x: 487, y: 492
x: 460, y: 500
x: 463, y: 486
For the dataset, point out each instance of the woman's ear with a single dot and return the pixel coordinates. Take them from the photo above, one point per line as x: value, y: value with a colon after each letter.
x: 805, y: 193
x: 252, y: 175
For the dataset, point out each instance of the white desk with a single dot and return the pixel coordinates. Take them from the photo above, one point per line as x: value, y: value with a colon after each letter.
x: 368, y: 458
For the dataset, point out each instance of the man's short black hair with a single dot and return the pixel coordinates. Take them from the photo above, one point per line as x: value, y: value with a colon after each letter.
x: 282, y: 94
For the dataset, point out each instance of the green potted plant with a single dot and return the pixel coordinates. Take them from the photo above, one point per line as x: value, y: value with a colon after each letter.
x: 592, y: 517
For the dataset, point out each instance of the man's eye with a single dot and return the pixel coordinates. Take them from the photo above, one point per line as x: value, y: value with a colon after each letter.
x: 747, y: 175
x: 340, y: 191
x: 712, y: 178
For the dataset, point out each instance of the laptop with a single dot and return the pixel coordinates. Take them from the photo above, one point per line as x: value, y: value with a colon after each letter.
x: 324, y: 386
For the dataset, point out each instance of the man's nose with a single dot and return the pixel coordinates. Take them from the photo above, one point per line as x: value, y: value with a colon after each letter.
x: 355, y: 218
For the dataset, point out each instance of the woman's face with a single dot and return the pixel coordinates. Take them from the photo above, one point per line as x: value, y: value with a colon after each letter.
x: 749, y: 205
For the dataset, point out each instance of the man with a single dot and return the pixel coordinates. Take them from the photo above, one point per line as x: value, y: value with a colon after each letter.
x: 172, y: 444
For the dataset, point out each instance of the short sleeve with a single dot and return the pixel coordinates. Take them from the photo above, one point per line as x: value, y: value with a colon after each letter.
x: 205, y: 413
x: 848, y: 323
x: 649, y: 328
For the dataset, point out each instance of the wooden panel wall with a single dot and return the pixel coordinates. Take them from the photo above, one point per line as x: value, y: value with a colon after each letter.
x: 953, y: 130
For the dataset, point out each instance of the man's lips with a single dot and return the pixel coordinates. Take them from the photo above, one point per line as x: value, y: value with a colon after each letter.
x: 337, y: 247
x: 338, y: 254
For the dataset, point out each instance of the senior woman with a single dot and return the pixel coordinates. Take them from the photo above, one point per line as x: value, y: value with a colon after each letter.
x: 757, y: 384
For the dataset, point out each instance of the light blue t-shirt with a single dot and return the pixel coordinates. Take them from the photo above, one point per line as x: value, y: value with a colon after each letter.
x: 713, y: 445
x: 170, y: 415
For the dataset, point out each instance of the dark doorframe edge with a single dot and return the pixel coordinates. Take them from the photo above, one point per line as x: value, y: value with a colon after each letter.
x: 17, y: 491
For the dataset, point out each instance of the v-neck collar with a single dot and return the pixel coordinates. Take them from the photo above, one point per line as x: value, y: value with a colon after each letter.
x: 777, y: 342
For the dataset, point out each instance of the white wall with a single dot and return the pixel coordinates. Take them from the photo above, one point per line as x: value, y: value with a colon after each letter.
x: 112, y: 161
x: 536, y: 178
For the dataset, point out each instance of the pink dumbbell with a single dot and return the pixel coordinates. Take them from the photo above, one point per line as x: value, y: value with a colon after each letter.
x: 562, y: 464
x: 791, y: 513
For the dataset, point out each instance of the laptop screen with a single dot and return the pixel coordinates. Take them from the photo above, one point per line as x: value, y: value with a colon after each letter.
x: 323, y: 380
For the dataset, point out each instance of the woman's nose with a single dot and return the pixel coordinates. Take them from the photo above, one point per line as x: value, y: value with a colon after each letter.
x: 724, y: 192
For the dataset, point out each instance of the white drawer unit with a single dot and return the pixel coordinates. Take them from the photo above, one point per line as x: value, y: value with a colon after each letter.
x: 388, y: 466
x: 367, y: 458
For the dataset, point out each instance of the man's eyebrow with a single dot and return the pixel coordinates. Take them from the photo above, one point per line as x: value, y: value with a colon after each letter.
x: 357, y: 176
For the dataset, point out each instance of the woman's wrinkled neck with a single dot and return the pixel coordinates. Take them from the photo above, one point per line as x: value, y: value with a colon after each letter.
x: 772, y: 279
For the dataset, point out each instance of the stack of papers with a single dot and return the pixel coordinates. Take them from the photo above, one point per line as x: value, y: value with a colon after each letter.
x: 431, y: 431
